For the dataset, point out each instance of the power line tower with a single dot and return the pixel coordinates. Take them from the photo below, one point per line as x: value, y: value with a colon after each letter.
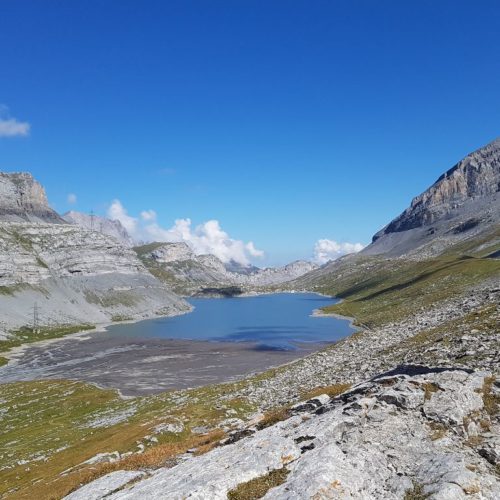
x: 36, y: 320
x: 92, y: 217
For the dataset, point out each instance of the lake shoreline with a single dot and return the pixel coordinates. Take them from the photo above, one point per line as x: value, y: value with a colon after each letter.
x: 127, y: 357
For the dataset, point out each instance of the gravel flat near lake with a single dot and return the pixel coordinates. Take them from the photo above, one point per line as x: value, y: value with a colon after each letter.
x: 145, y: 366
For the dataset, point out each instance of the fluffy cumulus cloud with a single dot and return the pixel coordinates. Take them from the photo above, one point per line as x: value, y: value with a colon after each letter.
x: 206, y: 238
x: 72, y: 198
x: 117, y: 211
x: 11, y: 127
x: 325, y: 250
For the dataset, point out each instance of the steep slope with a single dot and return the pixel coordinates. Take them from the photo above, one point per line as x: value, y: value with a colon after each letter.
x: 447, y: 241
x: 74, y: 275
x: 463, y: 203
x: 24, y: 199
x: 109, y: 227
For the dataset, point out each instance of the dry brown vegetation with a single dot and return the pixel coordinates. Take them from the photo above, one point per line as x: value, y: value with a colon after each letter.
x: 273, y: 417
x: 490, y: 400
x: 330, y: 390
x: 429, y: 389
x: 258, y: 487
x: 153, y: 458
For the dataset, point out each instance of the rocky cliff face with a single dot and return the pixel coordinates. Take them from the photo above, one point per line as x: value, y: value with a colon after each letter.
x: 463, y: 202
x: 170, y: 252
x: 24, y: 199
x: 109, y: 227
x: 75, y: 275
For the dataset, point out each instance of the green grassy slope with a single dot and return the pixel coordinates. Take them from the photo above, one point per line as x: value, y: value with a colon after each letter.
x: 377, y: 290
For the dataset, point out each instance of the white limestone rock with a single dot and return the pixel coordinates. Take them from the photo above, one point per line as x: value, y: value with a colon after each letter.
x: 76, y: 276
x: 105, y: 485
x: 359, y: 445
x: 191, y: 271
x: 24, y: 199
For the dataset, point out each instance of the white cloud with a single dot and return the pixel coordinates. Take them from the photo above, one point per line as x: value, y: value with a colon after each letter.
x: 253, y: 251
x: 71, y: 198
x: 205, y: 238
x: 148, y: 215
x: 117, y: 211
x: 10, y: 127
x: 325, y: 250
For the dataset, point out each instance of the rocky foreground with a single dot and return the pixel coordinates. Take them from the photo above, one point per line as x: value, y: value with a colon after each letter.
x: 421, y: 418
x: 411, y: 429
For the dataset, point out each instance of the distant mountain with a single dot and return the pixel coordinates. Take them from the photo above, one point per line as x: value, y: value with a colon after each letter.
x: 463, y: 202
x: 235, y: 267
x: 277, y: 275
x: 178, y: 266
x: 22, y: 199
x: 113, y: 228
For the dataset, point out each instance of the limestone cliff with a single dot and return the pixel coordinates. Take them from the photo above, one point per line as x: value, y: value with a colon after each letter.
x: 24, y: 199
x: 178, y: 266
x: 463, y: 202
x: 74, y: 274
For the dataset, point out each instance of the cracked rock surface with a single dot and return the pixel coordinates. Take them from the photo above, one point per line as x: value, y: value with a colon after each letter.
x: 412, y: 427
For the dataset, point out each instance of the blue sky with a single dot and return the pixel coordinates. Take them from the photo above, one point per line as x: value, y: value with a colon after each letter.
x: 286, y: 121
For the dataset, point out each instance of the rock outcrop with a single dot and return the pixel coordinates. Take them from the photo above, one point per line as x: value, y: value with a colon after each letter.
x: 170, y: 252
x: 403, y: 432
x: 24, y: 199
x: 113, y: 228
x: 463, y: 202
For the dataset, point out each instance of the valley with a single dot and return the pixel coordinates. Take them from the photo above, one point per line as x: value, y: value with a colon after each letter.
x: 407, y: 406
x: 219, y: 341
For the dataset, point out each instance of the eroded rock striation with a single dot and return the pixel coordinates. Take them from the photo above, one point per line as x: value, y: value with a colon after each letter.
x: 73, y: 274
x: 24, y: 199
x: 464, y: 202
x: 400, y: 432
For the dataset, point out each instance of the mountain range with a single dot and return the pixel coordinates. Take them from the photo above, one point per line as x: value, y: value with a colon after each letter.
x: 80, y: 269
x: 408, y: 407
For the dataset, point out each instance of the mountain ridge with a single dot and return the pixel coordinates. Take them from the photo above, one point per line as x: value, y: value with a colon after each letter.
x: 463, y: 202
x: 75, y: 275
